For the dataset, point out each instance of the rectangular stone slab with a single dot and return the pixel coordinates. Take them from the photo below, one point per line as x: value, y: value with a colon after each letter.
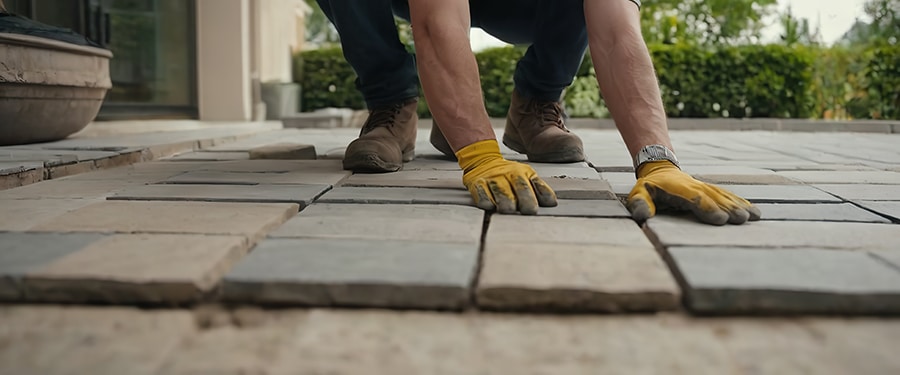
x: 564, y: 230
x: 21, y: 253
x: 580, y: 188
x: 586, y: 208
x: 20, y: 215
x: 300, y: 194
x: 210, y: 156
x: 396, y: 222
x: 738, y: 280
x: 673, y: 231
x: 844, y: 177
x: 889, y: 209
x: 842, y: 212
x: 382, y: 195
x: 863, y: 192
x: 138, y: 268
x: 252, y: 220
x: 445, y: 179
x: 576, y: 278
x: 313, y: 177
x: 316, y: 272
x: 781, y: 193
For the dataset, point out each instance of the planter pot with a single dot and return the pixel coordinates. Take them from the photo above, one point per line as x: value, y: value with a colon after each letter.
x: 48, y: 89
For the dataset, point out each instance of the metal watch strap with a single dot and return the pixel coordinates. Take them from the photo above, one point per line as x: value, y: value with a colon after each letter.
x: 654, y: 153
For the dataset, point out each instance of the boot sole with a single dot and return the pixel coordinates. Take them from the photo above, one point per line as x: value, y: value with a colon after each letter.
x: 569, y: 155
x: 374, y: 164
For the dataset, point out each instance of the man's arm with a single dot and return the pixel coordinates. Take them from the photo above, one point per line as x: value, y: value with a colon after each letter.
x: 449, y: 76
x: 629, y: 86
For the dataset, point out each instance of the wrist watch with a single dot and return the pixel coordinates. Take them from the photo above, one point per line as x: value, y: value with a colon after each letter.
x: 654, y: 153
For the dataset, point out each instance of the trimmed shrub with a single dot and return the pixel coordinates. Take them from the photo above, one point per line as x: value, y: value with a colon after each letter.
x: 497, y: 66
x: 327, y: 80
x: 883, y: 82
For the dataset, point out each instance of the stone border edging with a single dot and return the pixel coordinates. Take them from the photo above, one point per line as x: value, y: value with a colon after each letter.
x: 764, y: 124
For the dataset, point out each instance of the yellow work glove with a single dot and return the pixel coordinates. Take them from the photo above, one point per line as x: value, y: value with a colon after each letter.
x: 497, y: 183
x: 661, y: 184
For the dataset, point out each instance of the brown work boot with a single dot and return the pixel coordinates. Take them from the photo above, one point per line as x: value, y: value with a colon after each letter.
x: 439, y: 141
x: 538, y: 129
x: 386, y: 141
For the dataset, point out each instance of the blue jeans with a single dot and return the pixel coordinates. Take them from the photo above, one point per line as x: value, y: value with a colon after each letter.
x: 554, y: 29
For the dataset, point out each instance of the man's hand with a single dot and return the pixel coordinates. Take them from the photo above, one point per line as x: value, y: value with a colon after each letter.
x: 662, y: 184
x: 495, y: 182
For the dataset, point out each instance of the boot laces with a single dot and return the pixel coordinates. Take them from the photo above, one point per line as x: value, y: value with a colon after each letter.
x: 382, y: 117
x: 552, y: 114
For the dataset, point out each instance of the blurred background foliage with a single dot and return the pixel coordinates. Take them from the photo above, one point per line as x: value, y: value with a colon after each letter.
x: 709, y: 59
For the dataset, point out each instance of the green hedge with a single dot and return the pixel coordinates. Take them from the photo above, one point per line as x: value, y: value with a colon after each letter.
x: 738, y: 81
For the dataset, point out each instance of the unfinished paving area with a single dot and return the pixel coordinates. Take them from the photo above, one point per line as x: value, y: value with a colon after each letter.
x: 221, y: 252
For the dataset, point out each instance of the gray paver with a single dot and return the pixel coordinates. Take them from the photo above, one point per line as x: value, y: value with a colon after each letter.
x: 21, y: 253
x: 578, y: 188
x: 573, y: 170
x: 397, y: 196
x: 889, y: 209
x: 564, y: 230
x: 423, y: 223
x: 844, y: 177
x: 354, y: 273
x: 863, y: 191
x: 567, y: 277
x: 734, y: 280
x: 781, y: 193
x: 818, y: 212
x: 210, y: 156
x: 301, y: 194
x: 446, y: 179
x: 250, y: 220
x: 586, y: 208
x: 673, y: 231
x: 315, y: 177
x: 137, y: 268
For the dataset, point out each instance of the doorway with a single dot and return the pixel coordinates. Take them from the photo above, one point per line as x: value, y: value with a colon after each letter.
x: 154, y: 43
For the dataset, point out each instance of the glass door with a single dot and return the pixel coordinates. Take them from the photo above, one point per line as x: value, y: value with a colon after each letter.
x: 153, y: 71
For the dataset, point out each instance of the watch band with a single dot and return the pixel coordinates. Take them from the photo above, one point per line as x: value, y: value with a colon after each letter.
x: 654, y: 153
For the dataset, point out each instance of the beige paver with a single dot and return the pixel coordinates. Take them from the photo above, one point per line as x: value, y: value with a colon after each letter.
x: 138, y: 268
x: 564, y: 230
x: 549, y: 276
x: 79, y: 340
x: 284, y: 151
x: 23, y: 214
x: 67, y: 189
x: 252, y: 220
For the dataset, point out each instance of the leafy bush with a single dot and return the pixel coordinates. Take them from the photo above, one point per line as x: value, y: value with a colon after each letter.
x: 883, y: 82
x: 497, y: 66
x: 327, y: 80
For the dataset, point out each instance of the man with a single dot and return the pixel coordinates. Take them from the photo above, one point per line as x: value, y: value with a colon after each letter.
x: 627, y: 80
x: 388, y: 79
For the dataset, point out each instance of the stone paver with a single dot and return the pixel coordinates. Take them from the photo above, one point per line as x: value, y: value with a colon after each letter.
x: 572, y: 264
x: 844, y: 177
x: 284, y: 151
x: 21, y: 253
x: 355, y: 273
x: 446, y: 179
x: 210, y: 156
x: 580, y: 188
x: 863, y: 192
x: 67, y: 189
x: 422, y: 223
x: 257, y: 178
x: 781, y: 193
x: 137, y: 268
x: 397, y: 196
x: 18, y: 215
x: 570, y: 171
x: 387, y: 342
x: 250, y: 220
x: 818, y: 212
x: 889, y: 209
x: 300, y: 194
x: 78, y: 340
x: 586, y: 208
x: 735, y: 280
x: 674, y: 231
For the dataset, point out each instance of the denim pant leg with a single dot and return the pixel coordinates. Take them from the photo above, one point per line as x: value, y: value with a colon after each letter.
x: 386, y: 72
x: 556, y: 31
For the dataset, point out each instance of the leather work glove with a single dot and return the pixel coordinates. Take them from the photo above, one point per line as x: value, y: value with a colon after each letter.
x: 661, y: 184
x: 495, y: 182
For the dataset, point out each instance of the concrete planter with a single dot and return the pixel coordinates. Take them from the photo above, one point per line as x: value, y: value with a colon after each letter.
x: 48, y: 89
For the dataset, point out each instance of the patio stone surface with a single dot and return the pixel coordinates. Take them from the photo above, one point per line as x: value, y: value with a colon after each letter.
x: 137, y: 268
x: 397, y: 196
x: 258, y: 178
x: 586, y: 208
x: 284, y: 151
x: 741, y: 280
x: 818, y: 212
x: 365, y: 273
x: 300, y: 194
x: 394, y: 222
x: 210, y: 156
x: 889, y: 209
x: 844, y: 177
x: 19, y: 215
x: 445, y: 179
x: 863, y: 191
x: 21, y: 253
x: 781, y: 194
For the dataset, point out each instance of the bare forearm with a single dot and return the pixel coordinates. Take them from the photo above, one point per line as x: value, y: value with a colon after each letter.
x: 448, y: 70
x: 625, y: 73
